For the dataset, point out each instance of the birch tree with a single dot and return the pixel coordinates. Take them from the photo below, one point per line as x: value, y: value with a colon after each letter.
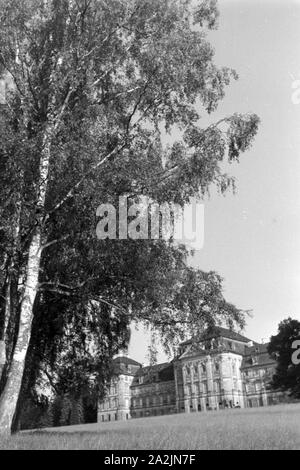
x: 93, y: 82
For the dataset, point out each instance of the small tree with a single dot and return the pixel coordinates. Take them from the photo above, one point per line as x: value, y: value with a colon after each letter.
x: 282, y: 348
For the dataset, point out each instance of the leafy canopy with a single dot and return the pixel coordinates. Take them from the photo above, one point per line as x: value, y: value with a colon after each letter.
x: 104, y: 78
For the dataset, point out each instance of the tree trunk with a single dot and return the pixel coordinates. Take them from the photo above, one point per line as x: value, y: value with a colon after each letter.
x: 9, y: 398
x: 10, y: 395
x: 2, y: 356
x: 3, y: 335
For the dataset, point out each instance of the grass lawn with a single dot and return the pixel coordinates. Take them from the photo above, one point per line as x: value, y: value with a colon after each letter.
x: 276, y: 427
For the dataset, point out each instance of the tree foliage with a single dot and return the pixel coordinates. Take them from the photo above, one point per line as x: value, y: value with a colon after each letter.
x: 94, y: 83
x: 282, y: 348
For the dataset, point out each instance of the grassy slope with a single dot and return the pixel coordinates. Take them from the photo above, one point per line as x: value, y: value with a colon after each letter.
x: 276, y: 427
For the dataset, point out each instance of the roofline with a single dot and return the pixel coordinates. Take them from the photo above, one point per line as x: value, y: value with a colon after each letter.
x: 218, y: 334
x: 133, y: 361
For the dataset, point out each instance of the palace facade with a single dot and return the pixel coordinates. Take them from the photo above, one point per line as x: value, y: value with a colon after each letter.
x: 217, y: 371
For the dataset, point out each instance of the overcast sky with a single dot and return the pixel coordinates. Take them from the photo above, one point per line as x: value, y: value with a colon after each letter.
x: 252, y: 238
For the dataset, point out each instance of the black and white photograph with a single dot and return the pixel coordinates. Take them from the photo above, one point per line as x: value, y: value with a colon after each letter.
x: 149, y: 228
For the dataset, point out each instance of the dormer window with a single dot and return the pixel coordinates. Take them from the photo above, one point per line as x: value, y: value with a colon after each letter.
x: 254, y: 360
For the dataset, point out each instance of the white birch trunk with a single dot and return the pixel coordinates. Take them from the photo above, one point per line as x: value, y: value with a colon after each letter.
x: 9, y: 398
x: 2, y: 341
x: 2, y: 356
x: 10, y: 395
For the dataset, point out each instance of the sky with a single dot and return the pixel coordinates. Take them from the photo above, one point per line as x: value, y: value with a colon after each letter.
x: 252, y: 238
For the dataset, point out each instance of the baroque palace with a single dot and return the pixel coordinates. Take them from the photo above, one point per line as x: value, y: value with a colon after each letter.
x: 217, y: 371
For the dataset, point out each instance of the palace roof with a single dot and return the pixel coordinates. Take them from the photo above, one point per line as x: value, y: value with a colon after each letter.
x: 218, y: 332
x: 257, y: 356
x: 155, y: 373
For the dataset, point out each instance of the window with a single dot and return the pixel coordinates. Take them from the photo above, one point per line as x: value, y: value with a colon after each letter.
x: 217, y: 367
x: 254, y: 360
x: 203, y: 368
x: 258, y: 387
x: 114, y: 403
x: 217, y: 386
